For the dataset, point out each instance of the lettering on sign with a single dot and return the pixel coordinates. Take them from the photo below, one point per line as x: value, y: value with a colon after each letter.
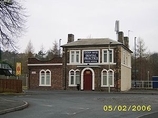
x: 91, y: 56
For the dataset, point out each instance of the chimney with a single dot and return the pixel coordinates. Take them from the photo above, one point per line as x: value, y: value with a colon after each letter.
x: 126, y: 41
x: 120, y: 37
x: 70, y: 38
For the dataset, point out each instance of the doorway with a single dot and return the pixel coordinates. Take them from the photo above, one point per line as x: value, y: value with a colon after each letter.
x: 87, y: 77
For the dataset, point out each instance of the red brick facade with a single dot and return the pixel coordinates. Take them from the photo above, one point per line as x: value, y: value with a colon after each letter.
x: 109, y: 63
x: 54, y: 65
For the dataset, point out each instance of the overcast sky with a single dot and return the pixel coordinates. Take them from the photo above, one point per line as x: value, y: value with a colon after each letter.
x: 51, y: 20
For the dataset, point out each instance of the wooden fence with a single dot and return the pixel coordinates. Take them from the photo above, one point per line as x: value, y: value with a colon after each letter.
x: 10, y: 85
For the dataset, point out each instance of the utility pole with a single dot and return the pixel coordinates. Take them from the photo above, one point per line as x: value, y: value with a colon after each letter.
x: 109, y: 68
x: 135, y: 60
x: 59, y: 48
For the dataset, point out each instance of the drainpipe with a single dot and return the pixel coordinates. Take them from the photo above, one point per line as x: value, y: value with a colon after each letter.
x: 65, y: 66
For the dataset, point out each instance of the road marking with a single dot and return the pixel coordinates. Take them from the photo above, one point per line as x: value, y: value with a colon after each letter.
x: 47, y: 105
x: 75, y: 110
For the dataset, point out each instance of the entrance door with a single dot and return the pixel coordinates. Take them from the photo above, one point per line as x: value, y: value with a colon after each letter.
x: 87, y: 80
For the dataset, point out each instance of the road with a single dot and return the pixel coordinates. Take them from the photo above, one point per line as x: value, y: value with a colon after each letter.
x: 82, y: 104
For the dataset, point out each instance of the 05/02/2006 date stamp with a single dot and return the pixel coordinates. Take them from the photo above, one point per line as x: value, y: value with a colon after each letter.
x: 125, y: 108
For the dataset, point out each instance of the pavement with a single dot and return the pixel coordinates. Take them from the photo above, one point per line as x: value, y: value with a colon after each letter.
x: 9, y: 105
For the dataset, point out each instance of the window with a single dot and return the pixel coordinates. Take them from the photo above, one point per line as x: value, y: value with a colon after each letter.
x: 107, y: 56
x: 45, y: 78
x: 74, y: 56
x: 77, y: 56
x: 48, y: 77
x: 42, y: 77
x: 107, y: 77
x: 129, y: 60
x: 104, y: 77
x: 110, y: 55
x: 74, y: 77
x: 124, y: 57
x: 110, y: 74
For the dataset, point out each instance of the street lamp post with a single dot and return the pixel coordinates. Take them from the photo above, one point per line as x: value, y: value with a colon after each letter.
x: 109, y: 68
x: 135, y: 60
x: 59, y: 48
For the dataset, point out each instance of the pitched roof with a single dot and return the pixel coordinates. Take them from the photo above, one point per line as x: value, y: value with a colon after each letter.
x: 91, y: 42
x: 34, y: 60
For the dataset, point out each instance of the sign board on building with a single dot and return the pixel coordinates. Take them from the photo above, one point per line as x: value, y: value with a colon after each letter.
x: 91, y: 56
x: 18, y: 68
x: 33, y: 72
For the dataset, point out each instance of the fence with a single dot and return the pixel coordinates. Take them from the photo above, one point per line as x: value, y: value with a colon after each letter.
x: 10, y: 85
x: 145, y: 84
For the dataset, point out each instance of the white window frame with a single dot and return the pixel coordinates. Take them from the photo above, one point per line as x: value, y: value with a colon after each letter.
x: 74, y: 60
x: 102, y: 85
x: 107, y: 71
x: 129, y: 60
x: 45, y: 78
x: 74, y: 77
x: 124, y: 57
x: 112, y: 61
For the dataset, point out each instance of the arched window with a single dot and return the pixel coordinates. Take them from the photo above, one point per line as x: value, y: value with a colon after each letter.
x: 107, y: 77
x: 71, y: 77
x: 74, y: 77
x: 111, y: 77
x: 104, y: 81
x: 77, y: 72
x: 45, y: 78
x: 48, y: 77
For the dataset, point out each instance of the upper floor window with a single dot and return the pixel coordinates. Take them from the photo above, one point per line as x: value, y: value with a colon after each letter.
x: 45, y: 78
x: 107, y: 56
x: 107, y: 77
x: 126, y: 58
x: 74, y: 77
x: 74, y: 56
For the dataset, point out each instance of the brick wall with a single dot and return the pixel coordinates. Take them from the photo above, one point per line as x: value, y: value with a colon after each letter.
x: 56, y: 74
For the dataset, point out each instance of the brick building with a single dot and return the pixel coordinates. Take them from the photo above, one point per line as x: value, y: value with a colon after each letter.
x: 45, y: 74
x: 92, y: 64
x: 97, y: 63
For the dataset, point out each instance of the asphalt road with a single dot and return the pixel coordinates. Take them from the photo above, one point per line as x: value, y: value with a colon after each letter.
x: 80, y: 104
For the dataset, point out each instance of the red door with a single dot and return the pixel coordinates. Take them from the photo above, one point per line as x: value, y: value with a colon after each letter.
x: 87, y: 80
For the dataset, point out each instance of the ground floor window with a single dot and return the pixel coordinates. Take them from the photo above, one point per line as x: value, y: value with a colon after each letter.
x: 74, y: 77
x: 107, y: 77
x: 45, y: 78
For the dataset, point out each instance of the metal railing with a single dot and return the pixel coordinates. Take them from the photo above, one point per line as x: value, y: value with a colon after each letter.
x: 145, y: 84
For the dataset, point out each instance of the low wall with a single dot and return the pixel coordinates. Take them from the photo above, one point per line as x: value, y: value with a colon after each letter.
x: 10, y: 85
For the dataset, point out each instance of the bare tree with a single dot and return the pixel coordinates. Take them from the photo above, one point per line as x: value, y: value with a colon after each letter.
x: 141, y: 59
x: 54, y: 52
x: 141, y: 49
x: 153, y: 64
x: 12, y: 21
x: 41, y: 55
x: 29, y: 50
